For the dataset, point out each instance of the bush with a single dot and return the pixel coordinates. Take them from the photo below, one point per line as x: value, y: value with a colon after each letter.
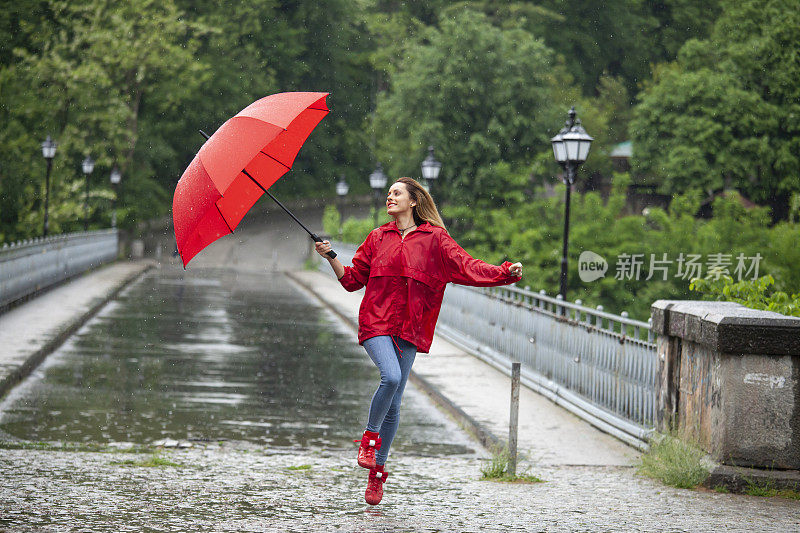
x: 532, y: 233
x: 354, y: 230
x: 331, y: 220
x: 674, y: 462
x: 754, y: 294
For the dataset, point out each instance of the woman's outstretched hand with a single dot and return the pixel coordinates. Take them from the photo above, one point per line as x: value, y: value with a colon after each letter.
x: 323, y: 248
x: 516, y: 269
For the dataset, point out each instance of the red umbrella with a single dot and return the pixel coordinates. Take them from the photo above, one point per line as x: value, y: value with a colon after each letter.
x: 238, y: 163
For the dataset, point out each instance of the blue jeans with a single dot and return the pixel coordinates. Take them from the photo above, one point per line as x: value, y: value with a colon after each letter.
x: 384, y: 411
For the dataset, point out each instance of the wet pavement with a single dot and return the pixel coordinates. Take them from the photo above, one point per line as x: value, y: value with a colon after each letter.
x: 228, y: 488
x: 205, y: 356
x: 224, y: 399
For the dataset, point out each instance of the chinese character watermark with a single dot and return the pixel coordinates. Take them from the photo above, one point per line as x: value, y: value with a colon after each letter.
x: 593, y: 266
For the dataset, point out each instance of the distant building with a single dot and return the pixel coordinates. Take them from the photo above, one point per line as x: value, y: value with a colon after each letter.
x: 621, y: 156
x: 643, y: 191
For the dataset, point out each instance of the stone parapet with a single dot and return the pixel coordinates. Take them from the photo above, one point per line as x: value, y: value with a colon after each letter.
x: 729, y: 377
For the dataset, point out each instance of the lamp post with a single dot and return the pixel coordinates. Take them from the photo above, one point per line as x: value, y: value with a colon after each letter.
x: 430, y: 168
x: 341, y: 191
x: 116, y: 177
x: 87, y: 167
x: 377, y: 180
x: 49, y: 152
x: 571, y: 148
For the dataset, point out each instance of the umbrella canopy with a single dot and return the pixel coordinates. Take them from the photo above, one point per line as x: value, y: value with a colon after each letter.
x: 238, y: 163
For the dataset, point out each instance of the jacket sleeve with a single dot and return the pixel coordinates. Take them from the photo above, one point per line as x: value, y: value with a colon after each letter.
x: 356, y: 276
x: 463, y: 269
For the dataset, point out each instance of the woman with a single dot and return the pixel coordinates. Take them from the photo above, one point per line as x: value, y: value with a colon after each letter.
x: 405, y: 266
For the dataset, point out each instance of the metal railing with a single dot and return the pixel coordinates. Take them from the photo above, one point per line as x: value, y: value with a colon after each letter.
x: 32, y: 265
x: 599, y: 365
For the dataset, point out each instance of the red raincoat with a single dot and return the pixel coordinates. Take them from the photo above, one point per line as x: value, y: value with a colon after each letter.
x: 405, y: 280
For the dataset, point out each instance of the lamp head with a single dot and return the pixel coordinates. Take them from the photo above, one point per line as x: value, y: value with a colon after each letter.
x: 572, y: 143
x: 430, y: 166
x: 377, y: 180
x: 342, y: 187
x: 49, y: 148
x: 88, y: 165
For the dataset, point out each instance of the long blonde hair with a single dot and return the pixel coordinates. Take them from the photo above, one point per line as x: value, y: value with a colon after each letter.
x: 425, y: 210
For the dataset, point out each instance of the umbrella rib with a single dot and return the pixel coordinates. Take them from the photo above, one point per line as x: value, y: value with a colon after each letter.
x: 279, y: 162
x: 223, y: 216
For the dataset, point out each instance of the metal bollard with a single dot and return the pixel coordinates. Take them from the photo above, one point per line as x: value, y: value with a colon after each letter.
x: 514, y: 420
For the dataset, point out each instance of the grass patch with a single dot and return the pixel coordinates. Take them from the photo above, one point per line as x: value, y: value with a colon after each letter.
x: 496, y: 469
x: 722, y: 489
x: 299, y: 467
x: 521, y: 478
x: 674, y: 462
x: 154, y: 460
x: 766, y: 490
x: 70, y: 447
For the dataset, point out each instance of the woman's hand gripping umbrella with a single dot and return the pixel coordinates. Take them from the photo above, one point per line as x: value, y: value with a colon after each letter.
x: 238, y: 164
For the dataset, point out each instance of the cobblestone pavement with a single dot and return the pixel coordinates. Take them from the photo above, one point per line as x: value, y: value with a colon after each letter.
x: 244, y: 488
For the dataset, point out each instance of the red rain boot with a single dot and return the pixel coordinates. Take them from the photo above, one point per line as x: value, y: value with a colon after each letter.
x: 366, y: 449
x: 377, y: 477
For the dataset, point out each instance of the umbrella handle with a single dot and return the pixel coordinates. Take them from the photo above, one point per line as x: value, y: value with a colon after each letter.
x: 330, y: 254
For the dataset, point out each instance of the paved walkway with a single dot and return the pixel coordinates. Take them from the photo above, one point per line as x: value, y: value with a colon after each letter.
x: 30, y: 331
x: 548, y: 434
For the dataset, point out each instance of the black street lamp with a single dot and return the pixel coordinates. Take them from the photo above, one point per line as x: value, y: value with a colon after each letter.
x: 571, y: 148
x: 377, y: 180
x: 49, y: 152
x: 430, y: 168
x: 342, y: 189
x: 116, y: 177
x: 87, y: 167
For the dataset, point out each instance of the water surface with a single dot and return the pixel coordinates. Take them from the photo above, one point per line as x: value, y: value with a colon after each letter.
x: 210, y: 355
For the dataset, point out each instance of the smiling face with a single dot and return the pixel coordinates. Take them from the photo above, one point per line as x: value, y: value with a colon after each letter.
x: 398, y: 201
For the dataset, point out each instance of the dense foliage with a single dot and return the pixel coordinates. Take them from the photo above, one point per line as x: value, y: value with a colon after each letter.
x: 727, y: 112
x: 756, y: 294
x: 708, y: 91
x: 130, y: 83
x: 648, y: 256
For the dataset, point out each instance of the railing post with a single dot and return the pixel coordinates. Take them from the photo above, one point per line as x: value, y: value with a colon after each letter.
x: 513, y: 420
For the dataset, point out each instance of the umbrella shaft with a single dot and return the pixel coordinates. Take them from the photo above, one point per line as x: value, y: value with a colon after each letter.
x: 280, y: 204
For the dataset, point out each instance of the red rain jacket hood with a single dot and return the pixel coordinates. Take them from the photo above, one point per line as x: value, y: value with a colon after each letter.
x: 406, y: 278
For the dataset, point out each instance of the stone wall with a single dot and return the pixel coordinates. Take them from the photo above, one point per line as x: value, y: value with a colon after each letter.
x: 729, y: 377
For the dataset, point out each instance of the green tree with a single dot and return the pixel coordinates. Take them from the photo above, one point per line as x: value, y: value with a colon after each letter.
x: 102, y: 67
x: 617, y: 38
x: 699, y: 129
x: 479, y: 94
x: 725, y: 113
x: 334, y: 58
